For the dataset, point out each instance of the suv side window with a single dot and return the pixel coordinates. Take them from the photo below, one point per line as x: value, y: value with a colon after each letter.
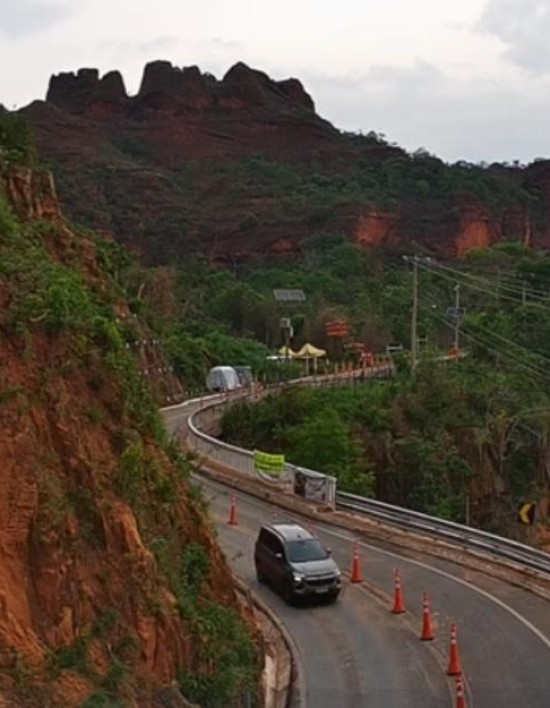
x: 264, y: 539
x: 270, y: 541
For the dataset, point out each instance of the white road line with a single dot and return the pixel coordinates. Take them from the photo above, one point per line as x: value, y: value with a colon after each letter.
x: 419, y: 564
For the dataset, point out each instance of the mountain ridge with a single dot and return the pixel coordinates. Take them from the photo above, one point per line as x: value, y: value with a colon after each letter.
x: 241, y: 166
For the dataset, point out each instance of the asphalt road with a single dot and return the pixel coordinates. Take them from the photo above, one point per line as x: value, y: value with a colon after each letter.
x: 357, y: 653
x: 353, y: 653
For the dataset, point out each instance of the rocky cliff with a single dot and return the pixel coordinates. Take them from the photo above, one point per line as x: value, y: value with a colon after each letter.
x: 244, y: 165
x: 113, y: 590
x: 183, y: 114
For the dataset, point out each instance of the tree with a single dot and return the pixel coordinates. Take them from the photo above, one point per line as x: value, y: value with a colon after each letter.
x: 17, y: 144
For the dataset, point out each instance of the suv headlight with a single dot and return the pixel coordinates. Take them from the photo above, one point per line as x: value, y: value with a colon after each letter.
x: 298, y: 578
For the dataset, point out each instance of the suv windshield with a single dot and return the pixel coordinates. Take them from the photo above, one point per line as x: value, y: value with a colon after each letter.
x: 307, y: 549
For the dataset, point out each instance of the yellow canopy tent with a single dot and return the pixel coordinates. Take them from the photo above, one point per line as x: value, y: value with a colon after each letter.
x: 283, y: 352
x: 307, y: 352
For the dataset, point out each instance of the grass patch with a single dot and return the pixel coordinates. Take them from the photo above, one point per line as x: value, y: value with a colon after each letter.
x: 73, y: 657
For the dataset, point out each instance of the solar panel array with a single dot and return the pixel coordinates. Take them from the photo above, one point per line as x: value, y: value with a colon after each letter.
x: 283, y: 295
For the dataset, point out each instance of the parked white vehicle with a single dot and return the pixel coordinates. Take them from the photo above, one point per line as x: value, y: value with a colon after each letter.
x: 222, y: 378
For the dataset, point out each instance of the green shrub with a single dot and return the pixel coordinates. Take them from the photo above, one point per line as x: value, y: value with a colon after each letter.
x: 17, y: 146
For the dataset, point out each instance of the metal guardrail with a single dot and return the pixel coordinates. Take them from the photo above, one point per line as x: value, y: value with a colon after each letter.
x: 498, y: 546
x: 242, y: 460
x: 462, y: 536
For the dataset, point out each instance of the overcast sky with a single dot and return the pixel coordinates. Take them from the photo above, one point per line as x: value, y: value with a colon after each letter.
x: 464, y: 79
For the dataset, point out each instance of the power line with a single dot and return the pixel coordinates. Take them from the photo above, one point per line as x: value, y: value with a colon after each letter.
x: 514, y: 288
x: 513, y: 356
x: 532, y: 369
x: 525, y: 274
x: 490, y: 346
x: 504, y: 339
x: 492, y: 333
x: 519, y: 284
x: 437, y: 270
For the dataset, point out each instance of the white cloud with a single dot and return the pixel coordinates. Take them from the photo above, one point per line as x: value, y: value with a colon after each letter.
x: 447, y: 76
x: 419, y: 106
x: 523, y: 26
x: 21, y: 17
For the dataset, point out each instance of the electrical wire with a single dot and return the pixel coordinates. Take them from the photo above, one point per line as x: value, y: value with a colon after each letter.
x: 483, y: 338
x: 524, y: 274
x: 499, y: 283
x: 507, y: 279
x: 508, y: 342
x: 533, y: 370
x: 499, y: 296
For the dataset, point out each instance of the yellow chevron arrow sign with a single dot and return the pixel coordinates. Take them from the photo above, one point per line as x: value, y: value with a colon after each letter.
x: 526, y: 513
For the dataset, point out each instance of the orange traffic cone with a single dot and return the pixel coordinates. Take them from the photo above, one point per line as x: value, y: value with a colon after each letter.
x: 233, y: 520
x: 460, y: 694
x: 398, y: 604
x: 356, y: 575
x: 454, y: 668
x: 427, y: 631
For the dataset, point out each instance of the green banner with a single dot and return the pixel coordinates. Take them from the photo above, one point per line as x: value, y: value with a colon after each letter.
x: 273, y: 465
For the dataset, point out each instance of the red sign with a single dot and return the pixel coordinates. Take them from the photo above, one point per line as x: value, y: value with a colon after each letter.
x: 337, y: 328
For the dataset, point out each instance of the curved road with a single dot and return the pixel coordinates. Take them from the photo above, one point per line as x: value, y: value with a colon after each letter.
x: 353, y: 653
x: 356, y: 653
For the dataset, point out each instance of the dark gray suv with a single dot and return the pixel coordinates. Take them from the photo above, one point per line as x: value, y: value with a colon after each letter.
x: 295, y: 563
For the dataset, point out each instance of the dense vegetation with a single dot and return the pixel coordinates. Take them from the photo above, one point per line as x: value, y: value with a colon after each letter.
x: 456, y: 439
x: 232, y: 206
x: 464, y: 440
x: 431, y: 441
x: 64, y: 290
x: 17, y: 145
x: 311, y: 191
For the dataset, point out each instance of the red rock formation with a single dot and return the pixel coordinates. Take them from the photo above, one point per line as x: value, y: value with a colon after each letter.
x: 152, y: 166
x: 33, y: 194
x: 78, y: 93
x: 476, y: 230
x: 537, y: 179
x: 169, y: 88
x: 471, y: 227
x: 374, y: 229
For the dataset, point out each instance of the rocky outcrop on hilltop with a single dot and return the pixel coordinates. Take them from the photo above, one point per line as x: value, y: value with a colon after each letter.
x: 165, y: 87
x: 77, y: 92
x: 182, y: 114
x: 243, y: 165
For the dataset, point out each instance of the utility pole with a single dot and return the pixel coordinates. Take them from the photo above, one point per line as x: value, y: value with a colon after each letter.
x: 414, y: 316
x: 457, y: 316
